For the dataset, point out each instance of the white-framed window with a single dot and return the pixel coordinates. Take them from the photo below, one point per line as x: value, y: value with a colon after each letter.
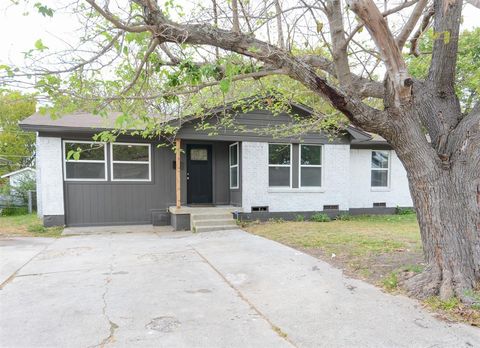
x: 380, y: 169
x: 233, y: 162
x: 84, y: 160
x: 130, y: 162
x: 310, y: 165
x: 279, y: 165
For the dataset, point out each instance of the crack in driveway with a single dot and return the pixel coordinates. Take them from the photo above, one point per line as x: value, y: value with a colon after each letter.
x: 274, y: 327
x: 112, y: 325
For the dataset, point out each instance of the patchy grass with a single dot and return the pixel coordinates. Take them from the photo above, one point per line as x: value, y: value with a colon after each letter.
x: 381, y: 249
x: 369, y: 247
x: 26, y: 226
x: 453, y: 310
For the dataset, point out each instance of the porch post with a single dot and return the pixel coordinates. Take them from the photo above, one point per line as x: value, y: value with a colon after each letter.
x: 177, y: 173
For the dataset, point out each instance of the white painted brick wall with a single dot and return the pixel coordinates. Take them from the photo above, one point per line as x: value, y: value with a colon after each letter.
x: 362, y: 195
x: 255, y: 190
x: 49, y: 176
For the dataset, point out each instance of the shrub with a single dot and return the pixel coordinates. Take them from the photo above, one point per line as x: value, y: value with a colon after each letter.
x: 320, y: 217
x: 299, y: 218
x: 404, y: 211
x: 344, y: 217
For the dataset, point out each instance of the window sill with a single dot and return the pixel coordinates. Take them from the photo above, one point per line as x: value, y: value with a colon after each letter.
x: 295, y: 190
x: 380, y: 189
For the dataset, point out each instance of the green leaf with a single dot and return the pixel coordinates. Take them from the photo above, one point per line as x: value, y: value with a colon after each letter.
x: 224, y: 85
x: 40, y: 46
x: 45, y: 11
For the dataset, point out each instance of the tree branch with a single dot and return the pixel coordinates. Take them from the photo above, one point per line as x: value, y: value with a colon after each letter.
x: 339, y: 48
x: 204, y: 34
x: 421, y: 29
x: 444, y: 57
x: 391, y: 55
x: 411, y: 23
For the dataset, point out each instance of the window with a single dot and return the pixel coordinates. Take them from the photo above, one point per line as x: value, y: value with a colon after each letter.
x: 130, y: 162
x: 233, y: 160
x: 84, y: 160
x: 310, y: 165
x: 199, y: 154
x: 279, y: 165
x: 380, y: 168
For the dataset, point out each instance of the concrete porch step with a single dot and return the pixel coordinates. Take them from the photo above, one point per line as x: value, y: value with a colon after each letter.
x: 211, y: 216
x: 216, y: 222
x: 213, y: 228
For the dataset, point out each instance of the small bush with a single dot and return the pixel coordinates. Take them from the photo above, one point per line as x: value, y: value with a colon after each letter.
x: 344, y: 217
x: 37, y: 228
x: 299, y: 218
x: 404, y: 211
x: 390, y: 282
x: 320, y: 217
x: 13, y: 211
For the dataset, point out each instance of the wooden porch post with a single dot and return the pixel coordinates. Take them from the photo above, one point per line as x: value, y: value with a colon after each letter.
x: 177, y: 173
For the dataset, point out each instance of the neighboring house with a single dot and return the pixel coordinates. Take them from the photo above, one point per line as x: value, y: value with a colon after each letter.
x: 17, y: 177
x: 133, y: 181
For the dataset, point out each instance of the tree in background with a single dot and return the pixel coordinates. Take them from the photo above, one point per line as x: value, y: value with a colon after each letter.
x: 157, y: 56
x: 17, y: 148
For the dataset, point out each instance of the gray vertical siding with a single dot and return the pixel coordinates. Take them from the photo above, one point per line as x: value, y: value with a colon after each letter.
x: 105, y: 203
x: 112, y: 203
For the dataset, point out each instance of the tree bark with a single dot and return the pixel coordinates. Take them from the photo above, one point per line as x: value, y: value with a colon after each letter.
x: 446, y: 199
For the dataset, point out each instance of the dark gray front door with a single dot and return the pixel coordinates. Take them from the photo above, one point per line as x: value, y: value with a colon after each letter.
x: 199, y: 174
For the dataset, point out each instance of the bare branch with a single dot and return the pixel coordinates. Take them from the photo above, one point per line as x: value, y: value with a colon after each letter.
x: 278, y: 10
x: 115, y: 21
x: 411, y: 23
x: 421, y: 29
x: 236, y: 23
x: 391, y: 55
x: 384, y: 14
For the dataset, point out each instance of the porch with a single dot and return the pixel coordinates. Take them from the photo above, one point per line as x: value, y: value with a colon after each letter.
x: 203, y: 218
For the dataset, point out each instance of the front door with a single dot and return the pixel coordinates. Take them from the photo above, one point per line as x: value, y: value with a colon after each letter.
x: 199, y: 174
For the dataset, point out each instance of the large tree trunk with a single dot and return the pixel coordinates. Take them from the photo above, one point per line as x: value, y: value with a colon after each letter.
x: 446, y: 194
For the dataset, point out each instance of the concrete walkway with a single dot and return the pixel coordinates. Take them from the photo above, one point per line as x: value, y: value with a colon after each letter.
x: 216, y: 289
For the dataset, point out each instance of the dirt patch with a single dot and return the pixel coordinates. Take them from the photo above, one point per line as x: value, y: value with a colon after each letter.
x: 372, y: 269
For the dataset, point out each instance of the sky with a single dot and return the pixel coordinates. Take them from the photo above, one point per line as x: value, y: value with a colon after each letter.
x: 19, y: 32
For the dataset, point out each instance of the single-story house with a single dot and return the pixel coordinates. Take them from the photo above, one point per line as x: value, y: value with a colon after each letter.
x: 249, y: 173
x: 17, y: 177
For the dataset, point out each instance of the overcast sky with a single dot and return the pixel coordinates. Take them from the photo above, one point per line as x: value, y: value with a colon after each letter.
x: 19, y: 32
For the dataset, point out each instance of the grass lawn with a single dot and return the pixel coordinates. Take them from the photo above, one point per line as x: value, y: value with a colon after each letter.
x: 26, y: 226
x: 375, y: 248
x: 368, y: 247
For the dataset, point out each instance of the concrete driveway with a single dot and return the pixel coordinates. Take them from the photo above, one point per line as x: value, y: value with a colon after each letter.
x: 217, y: 289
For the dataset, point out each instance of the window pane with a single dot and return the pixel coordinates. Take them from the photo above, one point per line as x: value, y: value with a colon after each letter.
x: 130, y: 171
x: 233, y: 155
x: 199, y: 154
x: 379, y: 159
x: 85, y: 170
x: 379, y: 178
x: 233, y: 177
x: 88, y: 151
x: 279, y: 176
x: 311, y: 176
x: 311, y: 155
x: 130, y: 153
x: 278, y: 154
